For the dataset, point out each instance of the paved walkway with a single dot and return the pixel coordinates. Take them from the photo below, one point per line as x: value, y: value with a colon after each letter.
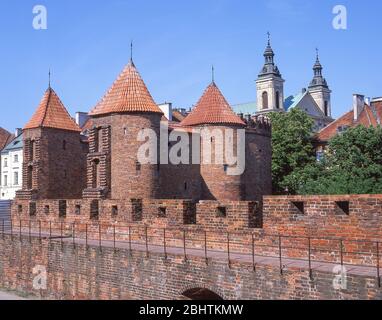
x: 9, y: 296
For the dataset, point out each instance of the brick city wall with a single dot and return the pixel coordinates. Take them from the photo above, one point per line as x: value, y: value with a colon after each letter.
x: 349, y: 216
x: 80, y: 272
x: 350, y: 224
x: 210, y: 215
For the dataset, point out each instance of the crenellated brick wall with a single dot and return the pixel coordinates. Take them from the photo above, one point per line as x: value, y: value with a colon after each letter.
x: 348, y: 216
x: 76, y: 271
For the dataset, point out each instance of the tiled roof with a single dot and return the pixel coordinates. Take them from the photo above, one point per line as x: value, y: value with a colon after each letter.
x: 366, y: 118
x: 14, y: 144
x: 127, y: 94
x: 5, y: 138
x: 212, y: 108
x: 87, y: 125
x: 177, y: 116
x: 51, y: 113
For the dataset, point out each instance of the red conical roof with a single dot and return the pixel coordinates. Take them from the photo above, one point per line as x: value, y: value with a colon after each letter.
x: 212, y: 108
x: 128, y: 94
x: 51, y: 113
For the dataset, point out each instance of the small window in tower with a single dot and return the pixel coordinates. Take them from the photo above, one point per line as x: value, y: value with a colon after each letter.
x: 277, y: 100
x: 46, y: 209
x: 225, y: 167
x: 65, y: 174
x: 32, y: 209
x: 138, y: 167
x: 77, y: 209
x: 31, y: 150
x: 114, y: 211
x: 64, y: 145
x: 94, y: 210
x: 265, y: 100
x: 62, y: 208
x: 137, y: 208
x: 326, y: 110
x: 185, y: 185
x: 20, y: 209
x: 125, y: 131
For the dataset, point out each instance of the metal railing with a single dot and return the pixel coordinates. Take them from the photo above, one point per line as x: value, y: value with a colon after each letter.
x: 249, y: 247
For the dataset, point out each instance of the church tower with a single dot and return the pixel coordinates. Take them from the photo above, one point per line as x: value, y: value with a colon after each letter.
x: 319, y: 89
x: 270, y: 84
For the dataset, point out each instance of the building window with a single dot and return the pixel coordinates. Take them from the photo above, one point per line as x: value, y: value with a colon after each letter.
x: 16, y: 178
x: 277, y: 100
x: 20, y: 209
x: 326, y: 108
x: 78, y: 209
x: 16, y: 158
x: 5, y: 162
x: 265, y: 100
x: 225, y: 167
x: 319, y: 156
x: 46, y: 209
x: 5, y: 180
x: 64, y: 145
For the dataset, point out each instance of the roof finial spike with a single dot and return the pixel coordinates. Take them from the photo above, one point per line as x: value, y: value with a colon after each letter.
x: 49, y: 75
x: 269, y: 38
x: 317, y: 54
x: 213, y: 74
x: 131, y: 51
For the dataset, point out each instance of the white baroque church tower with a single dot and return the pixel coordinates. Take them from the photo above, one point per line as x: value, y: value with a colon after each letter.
x: 315, y: 101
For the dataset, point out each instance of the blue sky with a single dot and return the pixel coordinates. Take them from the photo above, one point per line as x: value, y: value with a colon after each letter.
x: 87, y: 44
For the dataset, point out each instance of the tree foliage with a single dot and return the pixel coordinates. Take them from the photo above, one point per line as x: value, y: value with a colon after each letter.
x: 292, y: 149
x: 352, y: 165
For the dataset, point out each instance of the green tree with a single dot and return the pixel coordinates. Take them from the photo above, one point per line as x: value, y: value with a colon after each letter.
x: 352, y: 165
x: 292, y: 149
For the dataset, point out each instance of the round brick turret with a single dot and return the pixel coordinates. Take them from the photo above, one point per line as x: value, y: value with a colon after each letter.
x: 217, y: 121
x: 114, y: 169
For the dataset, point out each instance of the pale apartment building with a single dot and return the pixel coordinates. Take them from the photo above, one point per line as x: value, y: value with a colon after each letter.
x: 11, y: 167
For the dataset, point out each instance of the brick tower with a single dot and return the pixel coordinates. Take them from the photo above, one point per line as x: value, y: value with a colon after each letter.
x: 113, y: 169
x: 214, y: 114
x: 53, y: 153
